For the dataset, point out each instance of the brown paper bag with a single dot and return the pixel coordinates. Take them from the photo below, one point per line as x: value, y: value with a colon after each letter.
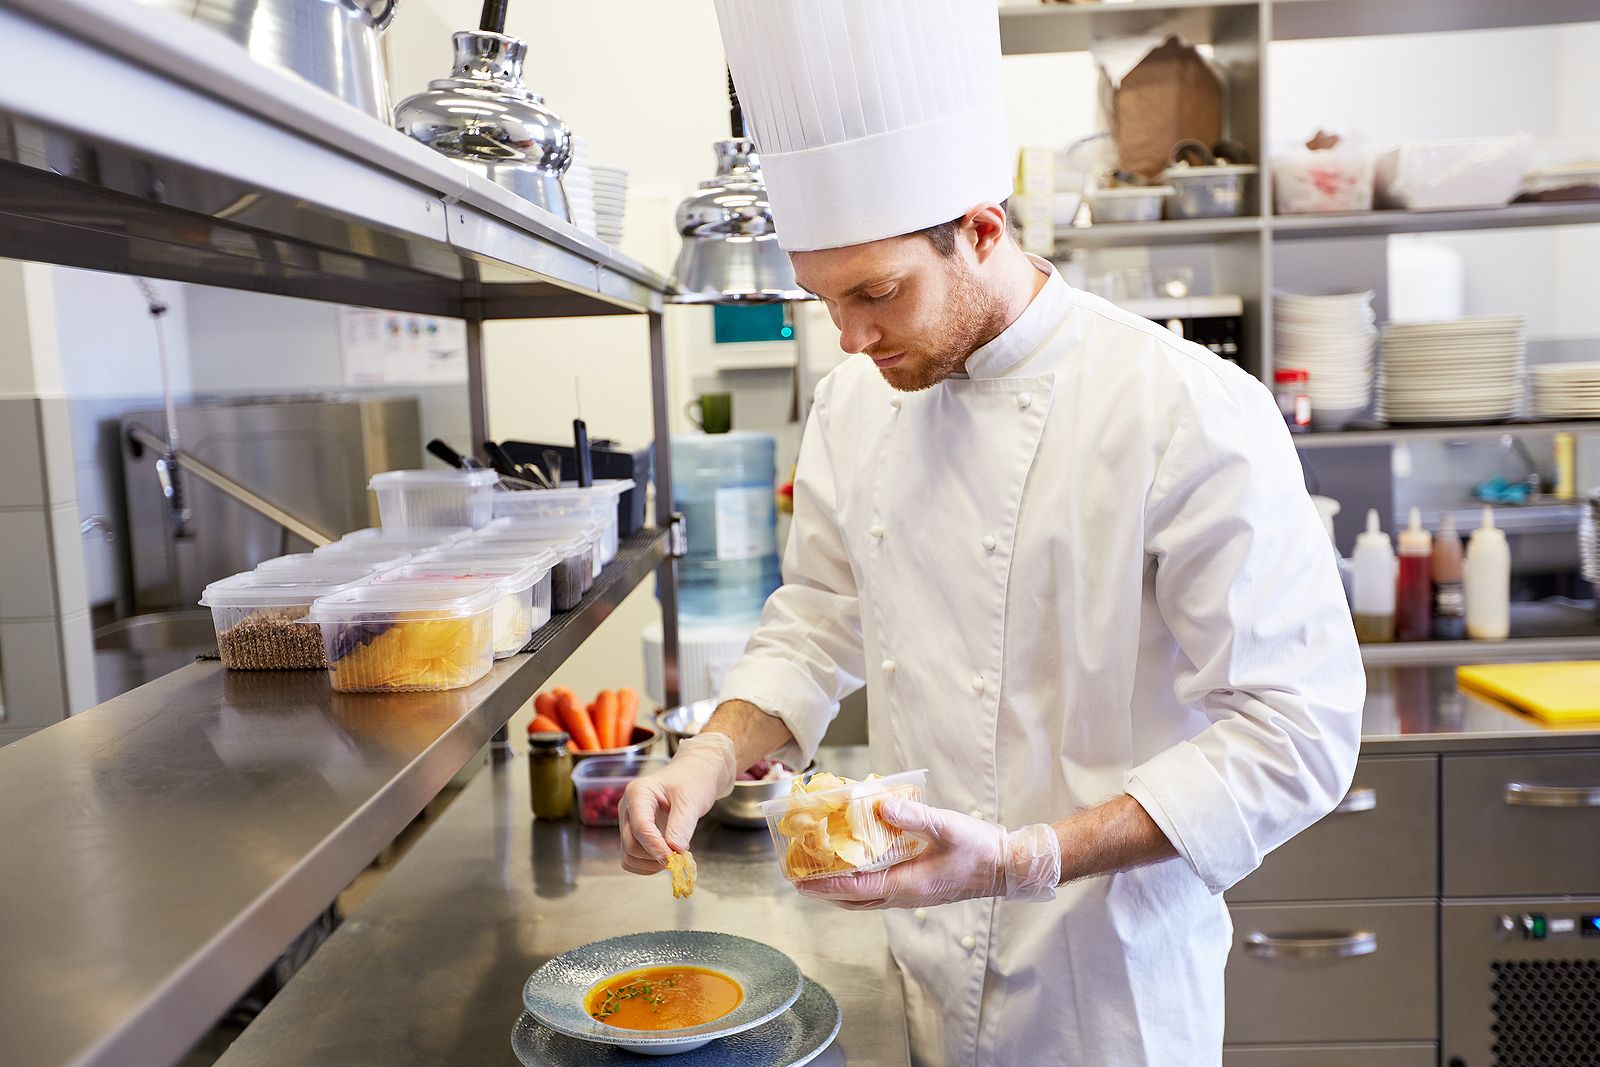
x: 1171, y: 96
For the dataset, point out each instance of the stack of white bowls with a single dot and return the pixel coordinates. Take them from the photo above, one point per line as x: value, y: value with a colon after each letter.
x: 1457, y: 371
x: 1332, y: 339
x: 579, y: 185
x: 610, y: 202
x: 1566, y: 391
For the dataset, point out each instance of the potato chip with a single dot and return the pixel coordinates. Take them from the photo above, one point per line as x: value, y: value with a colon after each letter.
x: 684, y: 870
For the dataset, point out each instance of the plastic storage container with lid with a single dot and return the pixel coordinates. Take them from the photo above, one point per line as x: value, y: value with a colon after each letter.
x: 599, y: 502
x: 317, y: 566
x: 724, y: 486
x: 435, y: 497
x: 524, y: 603
x: 1213, y: 192
x: 523, y: 527
x: 571, y: 570
x: 601, y: 780
x: 349, y: 553
x: 399, y: 636
x: 405, y: 538
x: 259, y: 618
x: 813, y: 842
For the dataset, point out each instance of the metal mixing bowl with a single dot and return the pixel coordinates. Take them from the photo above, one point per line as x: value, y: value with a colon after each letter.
x: 742, y: 807
x: 684, y: 721
x: 644, y: 739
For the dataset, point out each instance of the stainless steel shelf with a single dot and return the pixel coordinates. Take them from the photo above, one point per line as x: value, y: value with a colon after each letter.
x: 1392, y: 435
x: 430, y: 969
x: 170, y: 153
x: 1379, y: 223
x: 1453, y: 653
x: 1293, y: 19
x: 1073, y: 27
x: 159, y: 851
x: 1141, y: 234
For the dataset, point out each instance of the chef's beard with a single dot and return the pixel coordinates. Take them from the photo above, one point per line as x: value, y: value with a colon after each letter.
x: 974, y: 317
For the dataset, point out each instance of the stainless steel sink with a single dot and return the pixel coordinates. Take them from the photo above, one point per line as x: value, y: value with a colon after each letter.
x: 141, y: 648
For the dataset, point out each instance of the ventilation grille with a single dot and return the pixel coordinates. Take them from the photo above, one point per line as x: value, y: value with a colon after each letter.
x: 1546, y: 1013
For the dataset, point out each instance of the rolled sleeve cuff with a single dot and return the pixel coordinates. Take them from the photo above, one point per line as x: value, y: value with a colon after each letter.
x: 1191, y: 804
x: 785, y: 692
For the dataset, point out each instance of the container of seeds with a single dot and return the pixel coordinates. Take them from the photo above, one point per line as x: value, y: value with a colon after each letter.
x: 260, y: 619
x: 524, y: 586
x: 383, y: 637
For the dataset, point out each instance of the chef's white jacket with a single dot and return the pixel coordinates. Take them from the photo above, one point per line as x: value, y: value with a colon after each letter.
x: 1088, y: 567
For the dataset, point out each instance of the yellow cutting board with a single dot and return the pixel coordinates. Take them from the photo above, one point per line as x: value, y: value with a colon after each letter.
x: 1554, y: 692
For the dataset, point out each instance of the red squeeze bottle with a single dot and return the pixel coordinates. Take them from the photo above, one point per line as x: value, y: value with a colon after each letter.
x: 1413, y: 601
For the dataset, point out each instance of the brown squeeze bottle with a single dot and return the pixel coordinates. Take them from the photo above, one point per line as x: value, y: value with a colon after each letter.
x: 1449, y: 602
x: 1413, y: 611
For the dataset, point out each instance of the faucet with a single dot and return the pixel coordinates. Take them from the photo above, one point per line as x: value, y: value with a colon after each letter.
x: 1536, y: 479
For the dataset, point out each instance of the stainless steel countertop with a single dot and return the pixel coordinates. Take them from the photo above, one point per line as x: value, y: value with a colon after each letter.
x: 159, y: 851
x: 1420, y: 709
x: 430, y: 969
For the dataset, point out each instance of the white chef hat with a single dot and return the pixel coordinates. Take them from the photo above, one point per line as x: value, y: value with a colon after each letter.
x: 874, y: 118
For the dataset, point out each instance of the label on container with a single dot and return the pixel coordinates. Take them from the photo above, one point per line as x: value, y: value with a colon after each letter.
x: 744, y: 523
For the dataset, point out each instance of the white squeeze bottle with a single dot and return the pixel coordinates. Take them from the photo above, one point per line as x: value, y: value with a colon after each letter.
x: 1373, y: 595
x: 1488, y: 581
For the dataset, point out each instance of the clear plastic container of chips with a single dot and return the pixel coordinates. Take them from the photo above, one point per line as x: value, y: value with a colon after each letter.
x: 830, y: 826
x: 401, y: 636
x: 598, y: 501
x: 259, y: 618
x: 524, y: 603
x: 435, y: 497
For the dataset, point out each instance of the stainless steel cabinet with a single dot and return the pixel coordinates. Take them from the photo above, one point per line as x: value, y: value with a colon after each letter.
x: 1522, y: 825
x: 1386, y: 1055
x: 1382, y: 842
x: 1333, y: 973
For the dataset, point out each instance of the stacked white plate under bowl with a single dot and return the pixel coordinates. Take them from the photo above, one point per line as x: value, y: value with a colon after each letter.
x: 1463, y: 370
x: 1331, y: 338
x: 1566, y: 391
x: 610, y: 202
x: 579, y: 185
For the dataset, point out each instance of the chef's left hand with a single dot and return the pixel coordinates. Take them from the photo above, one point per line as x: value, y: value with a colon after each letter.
x: 965, y: 858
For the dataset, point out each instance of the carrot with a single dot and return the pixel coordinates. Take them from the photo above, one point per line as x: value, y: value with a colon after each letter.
x: 577, y: 721
x: 545, y: 704
x: 605, y: 718
x: 542, y: 724
x: 627, y: 715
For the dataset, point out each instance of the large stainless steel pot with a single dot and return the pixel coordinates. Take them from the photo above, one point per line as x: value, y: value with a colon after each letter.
x: 333, y: 44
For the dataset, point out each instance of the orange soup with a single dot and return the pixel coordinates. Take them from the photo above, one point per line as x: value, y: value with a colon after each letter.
x: 663, y: 998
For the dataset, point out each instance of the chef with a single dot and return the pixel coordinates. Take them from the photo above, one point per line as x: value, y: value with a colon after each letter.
x: 1070, y: 555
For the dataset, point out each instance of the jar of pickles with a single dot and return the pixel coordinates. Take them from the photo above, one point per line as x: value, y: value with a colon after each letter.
x: 550, y: 775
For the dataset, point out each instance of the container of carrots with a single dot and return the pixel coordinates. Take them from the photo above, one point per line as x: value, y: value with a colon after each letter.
x: 609, y: 725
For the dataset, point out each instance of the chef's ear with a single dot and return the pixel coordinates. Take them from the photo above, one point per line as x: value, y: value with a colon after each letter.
x: 987, y: 226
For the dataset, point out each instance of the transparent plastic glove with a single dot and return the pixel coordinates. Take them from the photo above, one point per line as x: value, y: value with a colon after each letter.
x: 965, y: 858
x: 658, y: 811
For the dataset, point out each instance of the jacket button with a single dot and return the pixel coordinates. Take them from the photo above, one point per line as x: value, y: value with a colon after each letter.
x: 988, y: 542
x: 976, y: 813
x: 887, y: 666
x: 921, y: 915
x: 969, y: 942
x: 876, y: 530
x: 1024, y: 400
x: 895, y: 402
x: 977, y: 683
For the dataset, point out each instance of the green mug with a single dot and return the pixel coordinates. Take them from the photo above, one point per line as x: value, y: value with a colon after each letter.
x: 715, y: 412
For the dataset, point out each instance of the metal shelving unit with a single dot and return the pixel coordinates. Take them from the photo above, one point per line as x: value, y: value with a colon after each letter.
x: 1393, y: 435
x: 161, y: 850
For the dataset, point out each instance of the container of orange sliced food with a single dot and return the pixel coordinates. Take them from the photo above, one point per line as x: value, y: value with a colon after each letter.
x: 829, y: 825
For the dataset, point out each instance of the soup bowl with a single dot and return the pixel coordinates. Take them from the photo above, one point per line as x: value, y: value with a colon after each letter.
x: 556, y: 994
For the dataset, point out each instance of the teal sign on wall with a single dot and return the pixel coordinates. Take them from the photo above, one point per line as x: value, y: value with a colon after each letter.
x: 751, y: 322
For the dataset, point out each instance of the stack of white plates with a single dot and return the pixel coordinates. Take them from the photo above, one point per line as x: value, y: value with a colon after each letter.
x: 579, y: 185
x: 1331, y: 338
x: 1566, y: 391
x: 1463, y: 370
x: 610, y: 202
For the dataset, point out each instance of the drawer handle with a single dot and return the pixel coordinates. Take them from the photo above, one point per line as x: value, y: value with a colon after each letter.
x: 1363, y: 799
x: 1520, y: 794
x: 1311, y: 946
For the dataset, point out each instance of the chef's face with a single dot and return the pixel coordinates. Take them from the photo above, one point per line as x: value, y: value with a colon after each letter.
x: 915, y: 310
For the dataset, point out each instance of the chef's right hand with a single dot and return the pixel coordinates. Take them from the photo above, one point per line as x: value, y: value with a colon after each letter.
x: 659, y: 811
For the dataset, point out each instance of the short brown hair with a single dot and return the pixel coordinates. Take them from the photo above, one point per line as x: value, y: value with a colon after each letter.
x: 943, y: 235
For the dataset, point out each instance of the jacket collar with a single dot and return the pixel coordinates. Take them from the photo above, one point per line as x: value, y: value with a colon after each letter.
x: 1036, y: 323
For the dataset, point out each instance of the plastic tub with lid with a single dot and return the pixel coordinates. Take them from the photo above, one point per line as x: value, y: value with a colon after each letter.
x: 573, y: 574
x: 260, y: 617
x: 601, y: 780
x: 320, y: 566
x: 524, y: 527
x: 399, y: 636
x: 405, y: 538
x: 373, y: 556
x: 435, y: 497
x: 599, y: 501
x: 867, y: 843
x: 524, y: 603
